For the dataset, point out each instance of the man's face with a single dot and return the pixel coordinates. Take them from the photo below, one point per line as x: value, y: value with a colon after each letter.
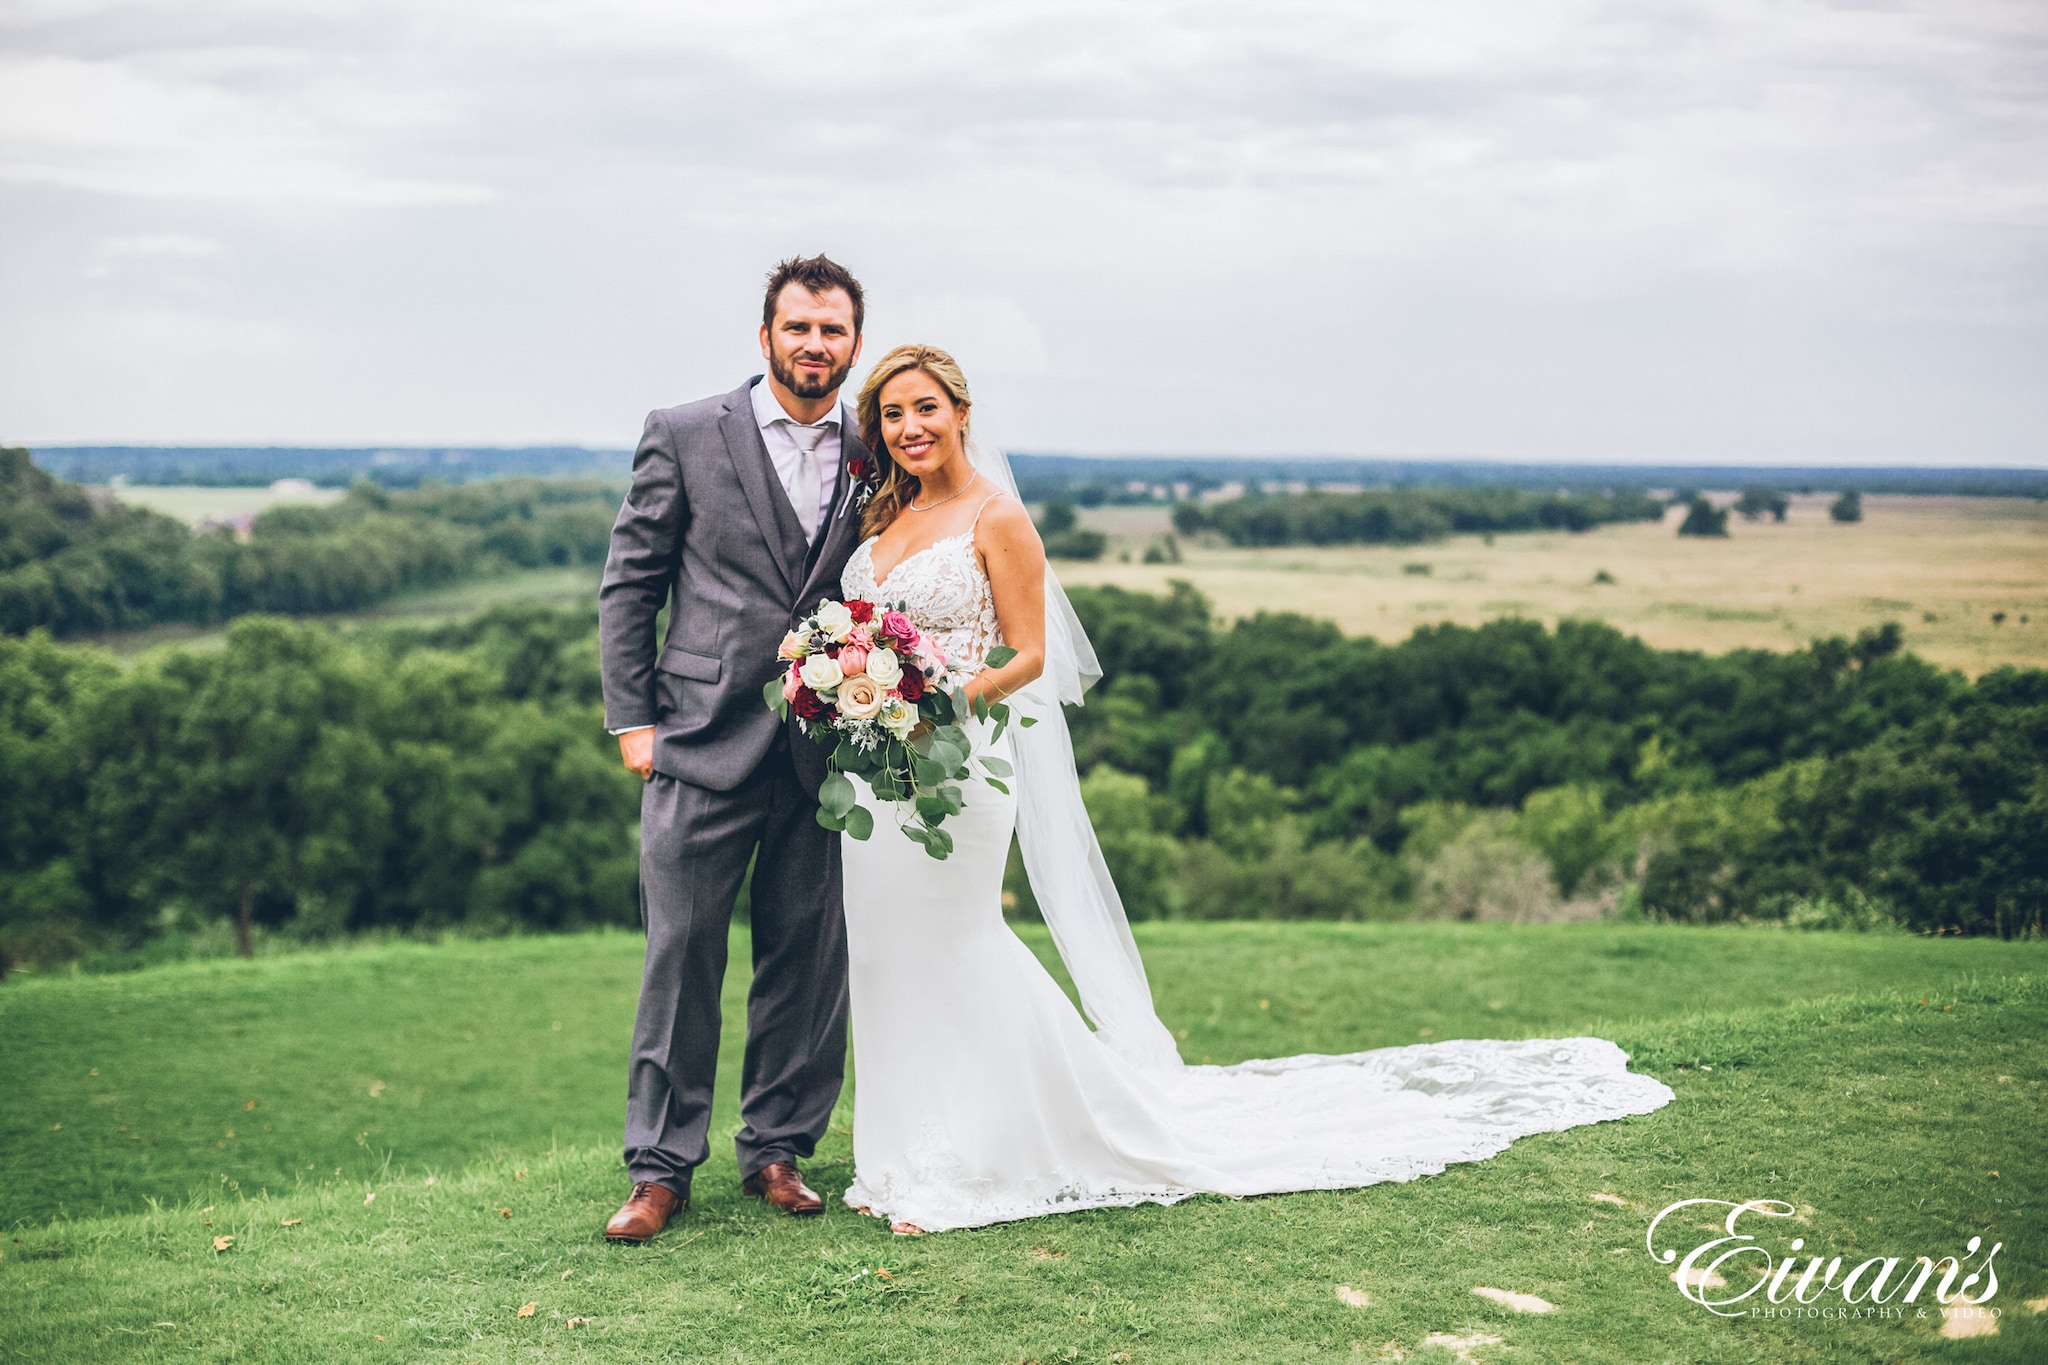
x: 811, y: 346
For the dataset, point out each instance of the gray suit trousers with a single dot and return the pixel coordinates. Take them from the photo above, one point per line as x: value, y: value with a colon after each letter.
x: 693, y: 855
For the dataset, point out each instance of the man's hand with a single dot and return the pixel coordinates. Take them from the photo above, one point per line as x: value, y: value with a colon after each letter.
x: 636, y: 751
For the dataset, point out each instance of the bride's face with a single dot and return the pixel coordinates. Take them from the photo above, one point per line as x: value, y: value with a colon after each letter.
x: 921, y: 425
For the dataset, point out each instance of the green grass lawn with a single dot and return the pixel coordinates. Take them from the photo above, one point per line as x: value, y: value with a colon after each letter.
x: 1807, y: 1069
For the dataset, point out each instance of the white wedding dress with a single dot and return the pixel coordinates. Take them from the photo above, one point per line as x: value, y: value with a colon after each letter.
x: 982, y: 1095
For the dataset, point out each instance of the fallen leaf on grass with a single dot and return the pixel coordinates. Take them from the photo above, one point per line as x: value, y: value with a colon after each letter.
x: 250, y: 1105
x: 1461, y: 1347
x: 291, y: 1222
x: 1959, y: 1321
x: 1357, y: 1298
x: 223, y: 1243
x: 574, y: 1323
x: 529, y: 1310
x: 883, y: 1274
x: 377, y: 1089
x: 504, y: 1213
x: 1508, y: 1298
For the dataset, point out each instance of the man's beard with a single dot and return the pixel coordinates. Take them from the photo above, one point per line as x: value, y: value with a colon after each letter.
x: 803, y: 387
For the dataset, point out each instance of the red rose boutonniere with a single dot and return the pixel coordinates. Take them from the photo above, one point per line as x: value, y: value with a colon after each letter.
x: 861, y: 469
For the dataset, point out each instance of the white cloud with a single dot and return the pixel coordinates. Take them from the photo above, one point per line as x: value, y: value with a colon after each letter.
x: 1730, y: 228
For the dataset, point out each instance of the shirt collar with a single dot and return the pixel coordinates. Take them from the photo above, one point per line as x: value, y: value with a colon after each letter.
x: 768, y: 411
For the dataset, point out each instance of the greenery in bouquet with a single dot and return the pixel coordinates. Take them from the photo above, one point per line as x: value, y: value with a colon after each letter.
x: 867, y: 681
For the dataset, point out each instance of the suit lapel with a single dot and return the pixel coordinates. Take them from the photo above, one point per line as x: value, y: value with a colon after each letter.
x: 769, y: 504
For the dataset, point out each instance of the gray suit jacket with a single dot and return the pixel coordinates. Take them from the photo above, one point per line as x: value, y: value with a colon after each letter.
x: 707, y: 524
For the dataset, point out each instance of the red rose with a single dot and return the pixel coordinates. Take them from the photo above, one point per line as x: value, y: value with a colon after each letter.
x: 808, y: 704
x: 861, y: 612
x: 910, y: 686
x: 861, y: 471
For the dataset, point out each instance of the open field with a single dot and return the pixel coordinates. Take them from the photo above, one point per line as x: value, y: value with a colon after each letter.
x: 1773, y: 586
x: 408, y: 1144
x: 193, y: 504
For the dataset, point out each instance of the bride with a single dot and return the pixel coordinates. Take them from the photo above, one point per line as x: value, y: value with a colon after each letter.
x: 981, y: 1095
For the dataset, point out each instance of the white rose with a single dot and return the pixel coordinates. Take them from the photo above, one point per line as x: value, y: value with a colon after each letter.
x: 885, y: 668
x: 860, y: 697
x: 835, y: 620
x: 898, y: 717
x: 820, y: 672
x: 792, y: 647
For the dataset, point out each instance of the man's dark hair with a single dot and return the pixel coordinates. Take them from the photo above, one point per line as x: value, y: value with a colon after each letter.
x: 817, y: 274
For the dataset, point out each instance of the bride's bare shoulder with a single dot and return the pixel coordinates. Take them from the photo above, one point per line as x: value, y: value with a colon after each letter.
x: 1004, y: 532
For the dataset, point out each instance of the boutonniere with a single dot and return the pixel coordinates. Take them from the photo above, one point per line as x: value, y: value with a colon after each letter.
x: 862, y: 471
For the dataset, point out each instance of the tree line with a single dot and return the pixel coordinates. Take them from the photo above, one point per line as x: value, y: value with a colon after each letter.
x: 1278, y: 767
x: 76, y: 562
x: 313, y: 780
x: 1405, y: 516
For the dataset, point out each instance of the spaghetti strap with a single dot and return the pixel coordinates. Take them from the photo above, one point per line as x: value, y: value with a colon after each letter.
x: 976, y: 523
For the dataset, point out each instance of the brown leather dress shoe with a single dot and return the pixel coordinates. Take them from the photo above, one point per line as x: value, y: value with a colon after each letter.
x: 783, y: 1188
x: 645, y: 1212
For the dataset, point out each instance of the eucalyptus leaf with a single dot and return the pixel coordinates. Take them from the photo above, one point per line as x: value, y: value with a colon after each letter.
x: 1000, y: 655
x: 999, y: 786
x: 771, y: 692
x: 836, y: 794
x: 830, y: 821
x: 997, y: 767
x: 1027, y: 721
x: 948, y: 755
x: 860, y: 823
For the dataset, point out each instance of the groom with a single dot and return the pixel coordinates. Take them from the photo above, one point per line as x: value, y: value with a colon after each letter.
x: 740, y: 519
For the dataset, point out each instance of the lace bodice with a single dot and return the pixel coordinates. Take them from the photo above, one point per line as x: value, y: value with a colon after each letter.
x: 941, y: 588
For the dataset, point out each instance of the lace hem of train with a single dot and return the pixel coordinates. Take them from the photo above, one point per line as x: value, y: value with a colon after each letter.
x: 1493, y: 1093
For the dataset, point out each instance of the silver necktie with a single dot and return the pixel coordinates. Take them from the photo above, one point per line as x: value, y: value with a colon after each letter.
x: 804, y: 495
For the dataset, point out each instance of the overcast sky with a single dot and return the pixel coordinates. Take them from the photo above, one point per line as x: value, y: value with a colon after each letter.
x: 1631, y: 231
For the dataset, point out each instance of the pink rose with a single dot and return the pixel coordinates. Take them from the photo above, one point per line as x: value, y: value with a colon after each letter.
x: 897, y: 628
x: 791, y: 684
x: 862, y: 636
x: 852, y: 659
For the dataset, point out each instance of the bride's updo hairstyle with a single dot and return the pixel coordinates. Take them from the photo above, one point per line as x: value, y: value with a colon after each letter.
x: 894, y: 488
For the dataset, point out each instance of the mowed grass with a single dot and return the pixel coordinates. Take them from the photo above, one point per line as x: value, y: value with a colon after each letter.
x: 433, y: 1147
x: 1769, y: 585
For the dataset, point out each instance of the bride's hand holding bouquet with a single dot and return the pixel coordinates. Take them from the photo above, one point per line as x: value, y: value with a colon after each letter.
x: 866, y: 680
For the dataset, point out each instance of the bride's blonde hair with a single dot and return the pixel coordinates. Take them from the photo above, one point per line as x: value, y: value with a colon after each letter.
x: 894, y: 487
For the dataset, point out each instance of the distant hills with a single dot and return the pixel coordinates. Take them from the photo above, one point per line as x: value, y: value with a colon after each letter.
x: 1042, y: 476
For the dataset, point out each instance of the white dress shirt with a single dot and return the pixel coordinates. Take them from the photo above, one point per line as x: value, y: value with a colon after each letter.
x: 783, y: 452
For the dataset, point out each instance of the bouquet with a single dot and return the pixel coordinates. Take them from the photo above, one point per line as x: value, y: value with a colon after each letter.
x: 866, y: 681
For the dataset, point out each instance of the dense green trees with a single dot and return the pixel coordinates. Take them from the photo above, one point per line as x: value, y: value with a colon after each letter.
x: 77, y: 563
x: 310, y: 780
x: 317, y: 780
x: 1749, y: 784
x: 1404, y: 516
